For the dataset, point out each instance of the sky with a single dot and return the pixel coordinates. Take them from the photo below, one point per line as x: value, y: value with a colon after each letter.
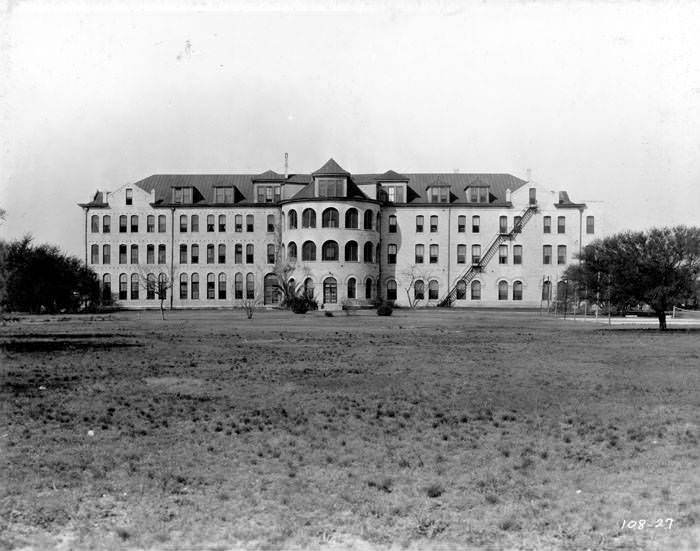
x: 599, y: 99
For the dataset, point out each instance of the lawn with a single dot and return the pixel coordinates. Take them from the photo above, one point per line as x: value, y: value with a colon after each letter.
x: 446, y: 429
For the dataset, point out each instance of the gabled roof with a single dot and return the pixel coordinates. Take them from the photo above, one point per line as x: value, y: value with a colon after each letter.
x: 331, y: 168
x: 439, y: 182
x: 268, y: 176
x: 391, y: 176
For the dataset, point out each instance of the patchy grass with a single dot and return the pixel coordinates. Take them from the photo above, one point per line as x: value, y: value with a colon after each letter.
x: 442, y: 428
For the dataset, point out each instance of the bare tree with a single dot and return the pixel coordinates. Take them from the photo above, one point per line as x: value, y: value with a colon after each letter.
x: 410, y: 276
x: 156, y: 286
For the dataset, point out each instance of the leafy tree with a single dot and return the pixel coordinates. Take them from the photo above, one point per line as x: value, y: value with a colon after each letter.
x: 658, y: 267
x: 36, y: 278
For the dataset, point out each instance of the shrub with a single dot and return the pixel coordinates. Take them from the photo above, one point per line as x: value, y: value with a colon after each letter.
x: 328, y: 314
x: 434, y: 490
x: 385, y: 309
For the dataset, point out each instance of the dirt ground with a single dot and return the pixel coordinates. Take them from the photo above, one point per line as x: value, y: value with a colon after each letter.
x: 446, y: 429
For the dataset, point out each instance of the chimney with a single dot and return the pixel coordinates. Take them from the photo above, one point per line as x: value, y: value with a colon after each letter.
x: 286, y: 165
x: 508, y: 195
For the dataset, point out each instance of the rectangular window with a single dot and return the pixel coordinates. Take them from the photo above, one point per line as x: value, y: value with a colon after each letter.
x: 546, y: 254
x: 95, y: 224
x: 420, y: 252
x: 182, y: 195
x: 590, y: 224
x: 161, y: 254
x: 122, y: 254
x: 433, y: 254
x: 503, y: 224
x: 270, y: 223
x: 95, y: 254
x: 517, y: 254
x: 249, y: 219
x: 268, y: 194
x: 270, y: 254
x: 330, y: 187
x: 249, y: 256
x: 517, y: 222
x: 238, y: 223
x: 150, y: 254
x: 194, y: 223
x: 391, y: 254
x: 106, y: 254
x: 223, y: 194
x: 392, y: 224
x: 476, y: 224
x: 547, y: 224
x: 222, y: 222
x: 419, y: 224
x: 106, y: 224
x: 503, y: 254
x: 222, y: 254
x: 238, y: 253
x: 161, y: 223
x: 150, y: 223
x: 561, y: 254
x: 210, y: 254
x: 194, y: 254
x: 476, y: 254
x: 461, y: 254
x: 129, y: 196
x: 183, y: 223
x: 439, y: 194
x: 433, y: 224
x: 478, y: 195
x: 183, y: 254
x: 561, y: 224
x: 394, y: 194
x: 461, y: 224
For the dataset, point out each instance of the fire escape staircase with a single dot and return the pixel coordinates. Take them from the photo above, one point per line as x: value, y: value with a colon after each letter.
x: 478, y: 267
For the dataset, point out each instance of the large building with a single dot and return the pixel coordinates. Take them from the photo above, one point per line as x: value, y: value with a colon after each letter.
x: 430, y: 239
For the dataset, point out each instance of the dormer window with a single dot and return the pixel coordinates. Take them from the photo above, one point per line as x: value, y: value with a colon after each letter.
x: 182, y: 195
x: 330, y: 187
x: 393, y: 193
x: 269, y: 193
x: 440, y: 194
x: 478, y: 194
x: 223, y: 194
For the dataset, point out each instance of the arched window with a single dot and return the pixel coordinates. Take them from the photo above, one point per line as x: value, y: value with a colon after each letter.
x: 368, y: 252
x: 222, y: 254
x: 210, y: 222
x: 270, y: 223
x: 106, y: 287
x: 379, y: 218
x: 249, y: 254
x: 249, y: 223
x: 392, y: 223
x: 547, y: 290
x: 183, y: 286
x: 418, y: 290
x: 561, y: 291
x: 502, y: 290
x: 368, y: 288
x: 106, y: 223
x: 150, y: 287
x: 351, y: 251
x: 94, y: 254
x: 330, y: 291
x: 351, y: 219
x: 195, y: 286
x: 106, y: 254
x: 272, y: 293
x: 292, y: 284
x: 183, y: 223
x: 308, y: 218
x: 238, y: 223
x: 476, y: 290
x: 94, y: 223
x: 162, y: 286
x: 309, y: 287
x: 134, y: 286
x: 518, y: 290
x: 122, y: 286
x: 292, y: 220
x: 250, y: 286
x: 292, y: 251
x: 391, y: 290
x: 308, y: 251
x: 134, y: 223
x: 134, y: 254
x: 329, y: 251
x: 461, y: 290
x: 222, y: 286
x: 376, y: 257
x: 194, y: 254
x: 122, y: 223
x: 211, y: 286
x: 161, y: 223
x: 238, y: 286
x: 222, y: 222
x: 210, y: 253
x: 352, y: 288
x: 270, y: 253
x: 194, y: 223
x: 329, y: 218
x: 369, y: 215
x: 433, y: 290
x: 150, y: 223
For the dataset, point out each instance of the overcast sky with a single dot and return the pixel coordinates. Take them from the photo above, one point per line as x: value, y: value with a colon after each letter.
x: 600, y: 99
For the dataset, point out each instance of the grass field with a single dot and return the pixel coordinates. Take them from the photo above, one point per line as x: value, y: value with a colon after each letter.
x: 430, y: 429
